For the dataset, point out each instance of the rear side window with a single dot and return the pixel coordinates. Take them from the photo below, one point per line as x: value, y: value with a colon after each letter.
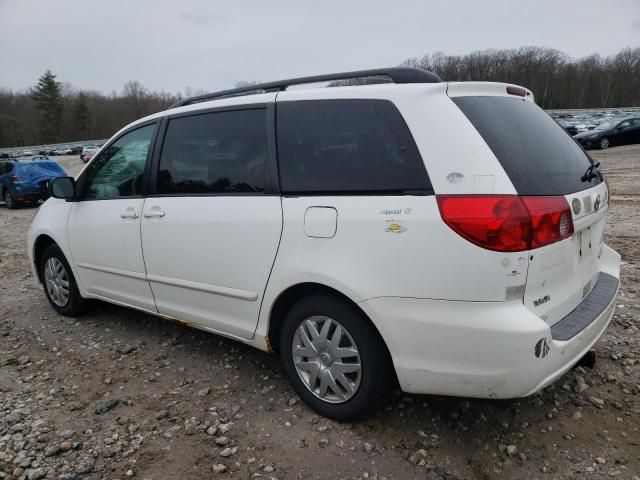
x: 535, y: 152
x: 221, y: 152
x: 347, y: 146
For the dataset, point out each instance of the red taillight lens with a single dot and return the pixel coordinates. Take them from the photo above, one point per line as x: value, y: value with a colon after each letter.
x: 507, y: 223
x: 496, y: 222
x: 550, y: 220
x: 16, y: 179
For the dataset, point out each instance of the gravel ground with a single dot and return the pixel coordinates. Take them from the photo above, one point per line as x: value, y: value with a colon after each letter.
x: 118, y: 394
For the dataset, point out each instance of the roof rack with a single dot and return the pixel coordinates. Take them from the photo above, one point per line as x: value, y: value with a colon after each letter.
x: 396, y: 74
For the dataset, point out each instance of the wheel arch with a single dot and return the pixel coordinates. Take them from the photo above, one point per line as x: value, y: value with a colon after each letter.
x: 42, y: 241
x: 288, y: 297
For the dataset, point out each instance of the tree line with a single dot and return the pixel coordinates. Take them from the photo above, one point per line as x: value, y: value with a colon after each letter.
x: 54, y: 112
x: 556, y: 79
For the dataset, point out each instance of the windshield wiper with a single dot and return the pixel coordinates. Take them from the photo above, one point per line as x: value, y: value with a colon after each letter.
x: 591, y: 172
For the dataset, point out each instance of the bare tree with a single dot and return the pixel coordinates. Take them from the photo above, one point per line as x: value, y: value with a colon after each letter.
x: 557, y: 80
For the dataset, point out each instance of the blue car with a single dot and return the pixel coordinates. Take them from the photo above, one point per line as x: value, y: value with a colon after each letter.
x: 27, y: 181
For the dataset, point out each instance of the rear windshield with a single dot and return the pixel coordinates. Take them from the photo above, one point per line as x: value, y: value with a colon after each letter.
x: 539, y: 157
x: 39, y: 168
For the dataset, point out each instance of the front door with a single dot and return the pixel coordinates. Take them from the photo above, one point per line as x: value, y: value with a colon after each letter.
x: 104, y: 225
x: 211, y: 230
x: 625, y: 133
x: 635, y: 131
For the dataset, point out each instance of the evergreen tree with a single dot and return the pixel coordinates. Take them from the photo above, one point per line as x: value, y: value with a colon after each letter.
x: 48, y: 100
x: 81, y: 115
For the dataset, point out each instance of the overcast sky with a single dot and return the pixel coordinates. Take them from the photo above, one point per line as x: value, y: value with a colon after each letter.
x: 207, y: 44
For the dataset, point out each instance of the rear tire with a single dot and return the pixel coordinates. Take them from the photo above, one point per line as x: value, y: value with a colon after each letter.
x: 604, y: 143
x: 9, y: 201
x: 335, y: 359
x: 59, y: 284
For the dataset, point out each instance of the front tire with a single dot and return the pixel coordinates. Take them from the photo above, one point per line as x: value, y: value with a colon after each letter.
x: 9, y: 201
x: 335, y: 359
x: 604, y: 143
x: 60, y: 286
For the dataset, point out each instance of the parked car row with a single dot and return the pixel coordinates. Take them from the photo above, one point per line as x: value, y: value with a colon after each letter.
x: 593, y: 129
x: 86, y: 153
x: 64, y: 150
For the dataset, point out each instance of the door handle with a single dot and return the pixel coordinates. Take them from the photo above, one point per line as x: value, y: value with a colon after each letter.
x: 153, y: 213
x: 129, y: 214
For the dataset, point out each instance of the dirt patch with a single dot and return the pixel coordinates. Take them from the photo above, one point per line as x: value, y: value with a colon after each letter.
x: 188, y: 400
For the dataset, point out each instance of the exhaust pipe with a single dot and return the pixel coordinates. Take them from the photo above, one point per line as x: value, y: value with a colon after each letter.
x: 588, y: 360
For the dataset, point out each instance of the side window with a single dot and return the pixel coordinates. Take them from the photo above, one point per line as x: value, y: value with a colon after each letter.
x: 347, y: 146
x: 119, y: 170
x: 625, y: 124
x: 220, y: 152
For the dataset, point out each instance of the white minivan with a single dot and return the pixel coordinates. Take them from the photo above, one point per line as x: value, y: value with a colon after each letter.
x: 445, y: 238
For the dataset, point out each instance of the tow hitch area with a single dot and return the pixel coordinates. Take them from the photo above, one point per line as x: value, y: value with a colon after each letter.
x: 588, y: 360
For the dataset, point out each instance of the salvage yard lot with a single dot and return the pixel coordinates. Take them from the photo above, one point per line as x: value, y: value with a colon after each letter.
x: 118, y: 393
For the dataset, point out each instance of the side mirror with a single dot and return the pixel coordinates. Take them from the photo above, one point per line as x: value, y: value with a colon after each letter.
x: 63, y: 187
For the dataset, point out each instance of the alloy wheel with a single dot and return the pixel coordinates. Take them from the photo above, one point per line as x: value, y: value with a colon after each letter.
x: 604, y: 143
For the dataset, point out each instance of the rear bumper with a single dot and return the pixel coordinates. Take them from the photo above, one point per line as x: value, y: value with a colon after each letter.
x: 31, y: 193
x: 485, y: 349
x: 30, y: 197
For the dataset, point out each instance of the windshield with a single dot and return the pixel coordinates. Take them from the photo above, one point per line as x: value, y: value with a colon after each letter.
x: 606, y: 126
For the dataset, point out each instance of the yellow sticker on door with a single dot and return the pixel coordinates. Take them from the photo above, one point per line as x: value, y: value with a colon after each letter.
x: 395, y: 226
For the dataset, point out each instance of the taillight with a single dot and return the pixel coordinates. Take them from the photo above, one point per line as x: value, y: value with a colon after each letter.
x: 16, y: 179
x: 496, y: 222
x: 507, y: 223
x: 550, y: 220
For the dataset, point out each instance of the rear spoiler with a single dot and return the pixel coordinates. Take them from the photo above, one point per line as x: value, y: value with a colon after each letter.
x: 483, y: 89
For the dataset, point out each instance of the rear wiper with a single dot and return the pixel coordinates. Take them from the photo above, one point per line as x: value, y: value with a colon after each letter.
x: 591, y: 172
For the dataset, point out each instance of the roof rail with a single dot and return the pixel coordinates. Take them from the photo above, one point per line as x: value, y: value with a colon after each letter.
x: 396, y: 74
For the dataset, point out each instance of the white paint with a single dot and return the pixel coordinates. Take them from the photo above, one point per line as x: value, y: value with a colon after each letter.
x: 209, y: 258
x: 220, y: 262
x: 106, y: 248
x: 320, y: 222
x: 561, y: 270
